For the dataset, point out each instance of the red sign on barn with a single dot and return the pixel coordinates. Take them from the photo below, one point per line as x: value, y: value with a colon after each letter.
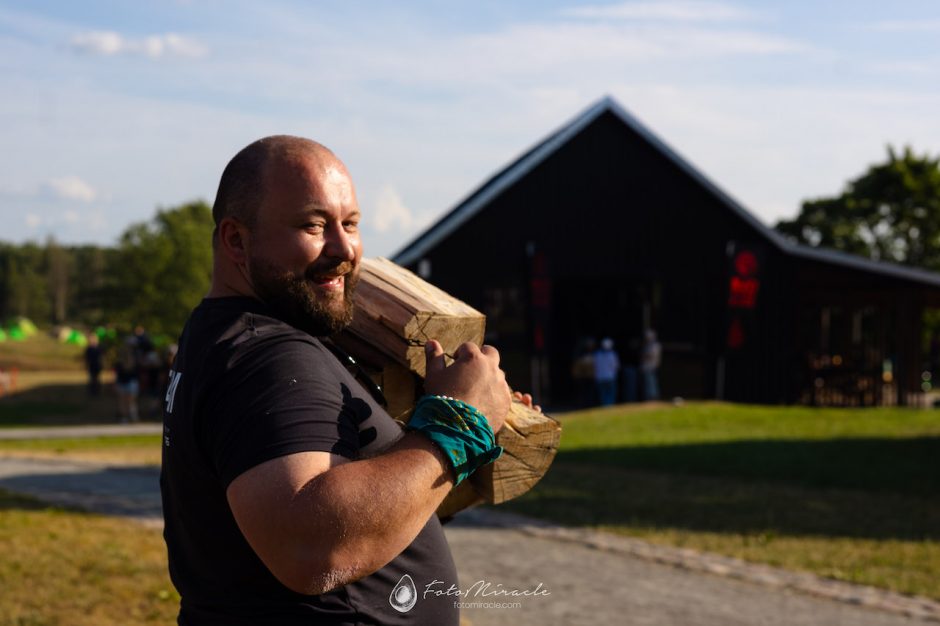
x: 744, y: 283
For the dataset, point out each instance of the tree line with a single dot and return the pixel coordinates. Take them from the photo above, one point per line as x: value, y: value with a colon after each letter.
x: 154, y: 276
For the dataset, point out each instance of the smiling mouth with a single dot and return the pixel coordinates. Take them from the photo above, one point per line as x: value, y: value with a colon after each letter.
x: 328, y: 282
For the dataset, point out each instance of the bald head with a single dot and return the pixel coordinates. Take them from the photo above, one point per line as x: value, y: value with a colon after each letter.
x: 242, y: 187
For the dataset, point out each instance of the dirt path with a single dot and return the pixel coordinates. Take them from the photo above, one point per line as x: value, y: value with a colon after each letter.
x: 590, y: 578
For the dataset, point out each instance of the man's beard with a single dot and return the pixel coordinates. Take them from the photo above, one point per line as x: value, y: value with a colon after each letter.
x: 294, y: 300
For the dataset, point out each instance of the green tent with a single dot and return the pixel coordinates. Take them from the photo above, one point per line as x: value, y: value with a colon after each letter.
x: 21, y: 328
x: 76, y: 338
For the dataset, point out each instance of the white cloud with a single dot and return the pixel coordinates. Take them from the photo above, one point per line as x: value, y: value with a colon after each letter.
x: 110, y: 43
x: 555, y: 53
x: 98, y: 42
x: 391, y: 212
x: 70, y: 188
x: 32, y: 220
x: 71, y: 217
x: 680, y: 11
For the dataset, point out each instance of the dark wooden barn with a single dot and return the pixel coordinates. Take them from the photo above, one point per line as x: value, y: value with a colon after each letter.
x: 602, y: 230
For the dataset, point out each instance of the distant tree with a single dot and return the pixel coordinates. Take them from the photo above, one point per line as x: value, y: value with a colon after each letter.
x: 23, y: 285
x: 162, y: 269
x: 57, y: 261
x: 88, y: 278
x: 890, y: 213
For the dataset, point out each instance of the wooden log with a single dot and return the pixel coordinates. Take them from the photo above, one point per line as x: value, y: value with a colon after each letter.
x: 396, y: 314
x: 529, y: 440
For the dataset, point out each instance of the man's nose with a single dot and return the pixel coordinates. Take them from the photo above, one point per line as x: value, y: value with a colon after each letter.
x: 339, y: 244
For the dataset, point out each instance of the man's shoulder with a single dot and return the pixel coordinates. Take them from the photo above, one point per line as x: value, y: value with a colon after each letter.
x: 237, y: 319
x: 235, y: 329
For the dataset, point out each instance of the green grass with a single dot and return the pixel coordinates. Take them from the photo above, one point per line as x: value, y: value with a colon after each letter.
x: 892, y: 449
x: 73, y: 568
x: 133, y: 450
x: 849, y: 494
x: 40, y: 352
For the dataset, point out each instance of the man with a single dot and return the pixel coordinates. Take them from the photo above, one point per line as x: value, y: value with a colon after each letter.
x: 650, y: 360
x: 606, y: 366
x: 94, y: 363
x: 290, y: 496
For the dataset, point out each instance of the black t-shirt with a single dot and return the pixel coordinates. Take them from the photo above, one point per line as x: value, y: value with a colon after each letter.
x: 246, y: 388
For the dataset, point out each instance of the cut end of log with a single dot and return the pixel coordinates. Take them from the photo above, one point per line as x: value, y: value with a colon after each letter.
x: 397, y: 312
x: 529, y: 440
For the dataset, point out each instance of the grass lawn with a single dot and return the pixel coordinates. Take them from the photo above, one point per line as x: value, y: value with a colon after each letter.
x: 849, y: 494
x: 71, y: 568
x: 40, y: 352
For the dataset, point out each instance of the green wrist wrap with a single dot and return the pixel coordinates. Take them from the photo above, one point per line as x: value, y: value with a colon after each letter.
x: 459, y: 430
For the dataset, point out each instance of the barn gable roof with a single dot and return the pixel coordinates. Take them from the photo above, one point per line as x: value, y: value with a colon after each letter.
x: 518, y: 169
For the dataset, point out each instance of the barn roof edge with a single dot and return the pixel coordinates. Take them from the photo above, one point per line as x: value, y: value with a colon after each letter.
x: 530, y: 159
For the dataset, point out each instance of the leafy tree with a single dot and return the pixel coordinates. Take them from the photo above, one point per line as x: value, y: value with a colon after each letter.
x: 890, y: 213
x: 23, y: 286
x: 88, y: 280
x: 162, y: 269
x: 57, y: 261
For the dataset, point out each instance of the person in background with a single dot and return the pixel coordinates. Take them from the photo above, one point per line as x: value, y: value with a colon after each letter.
x: 126, y: 381
x: 606, y: 367
x: 650, y: 357
x: 630, y: 370
x: 93, y: 364
x: 582, y: 371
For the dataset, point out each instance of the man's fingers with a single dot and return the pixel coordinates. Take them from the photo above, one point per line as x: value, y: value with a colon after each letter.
x: 491, y: 352
x: 465, y: 350
x: 434, y: 353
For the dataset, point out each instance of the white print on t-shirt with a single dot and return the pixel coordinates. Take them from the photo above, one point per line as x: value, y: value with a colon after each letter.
x: 171, y: 390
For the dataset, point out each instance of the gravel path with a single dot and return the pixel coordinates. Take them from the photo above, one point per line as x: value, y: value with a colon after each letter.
x: 591, y: 578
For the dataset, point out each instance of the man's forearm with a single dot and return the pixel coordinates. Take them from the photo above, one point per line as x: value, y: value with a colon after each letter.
x: 376, y: 507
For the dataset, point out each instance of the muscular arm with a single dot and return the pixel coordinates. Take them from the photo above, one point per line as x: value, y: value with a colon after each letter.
x: 319, y: 521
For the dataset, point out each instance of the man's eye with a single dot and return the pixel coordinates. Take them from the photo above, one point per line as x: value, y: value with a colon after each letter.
x: 351, y: 227
x: 314, y: 226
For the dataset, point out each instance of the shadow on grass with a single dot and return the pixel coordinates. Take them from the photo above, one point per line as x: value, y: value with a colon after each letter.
x: 871, y: 488
x: 900, y: 465
x: 66, y: 404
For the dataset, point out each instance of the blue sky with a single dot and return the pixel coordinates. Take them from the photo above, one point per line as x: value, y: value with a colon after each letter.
x: 110, y: 110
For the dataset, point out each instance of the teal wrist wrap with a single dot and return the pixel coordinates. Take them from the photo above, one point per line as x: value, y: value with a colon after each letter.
x: 459, y: 430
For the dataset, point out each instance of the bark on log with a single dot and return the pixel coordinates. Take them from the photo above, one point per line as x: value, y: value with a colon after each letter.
x: 396, y: 313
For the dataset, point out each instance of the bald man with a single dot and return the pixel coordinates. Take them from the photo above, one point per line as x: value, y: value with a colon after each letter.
x: 290, y: 496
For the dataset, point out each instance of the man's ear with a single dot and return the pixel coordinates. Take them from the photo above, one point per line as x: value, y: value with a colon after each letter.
x: 234, y: 239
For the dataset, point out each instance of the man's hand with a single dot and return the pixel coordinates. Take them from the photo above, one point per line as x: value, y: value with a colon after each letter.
x: 473, y: 377
x: 526, y: 399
